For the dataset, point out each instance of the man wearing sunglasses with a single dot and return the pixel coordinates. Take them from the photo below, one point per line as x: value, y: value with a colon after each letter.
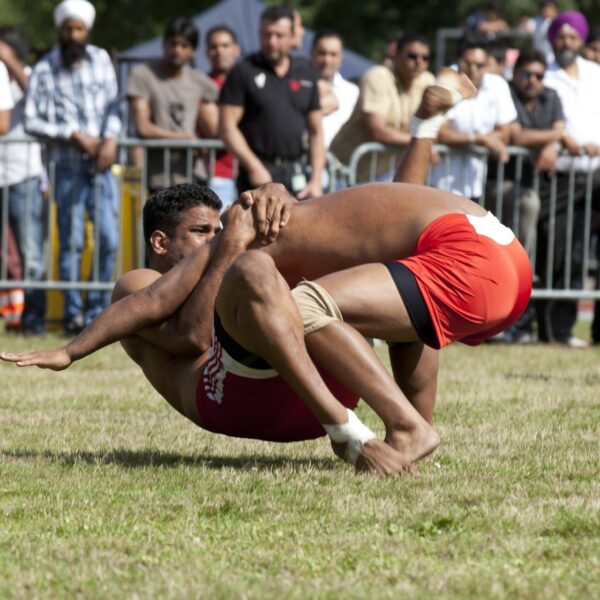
x: 388, y: 98
x: 540, y: 126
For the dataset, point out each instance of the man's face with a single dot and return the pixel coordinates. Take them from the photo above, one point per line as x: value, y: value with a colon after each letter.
x: 591, y: 51
x: 528, y: 80
x: 73, y: 31
x: 411, y: 60
x: 276, y: 40
x: 222, y: 51
x: 178, y: 51
x: 72, y: 39
x: 198, y: 226
x: 567, y: 45
x: 327, y: 56
x: 473, y: 64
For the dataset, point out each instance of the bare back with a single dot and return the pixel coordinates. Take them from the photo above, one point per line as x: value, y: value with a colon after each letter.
x: 369, y: 223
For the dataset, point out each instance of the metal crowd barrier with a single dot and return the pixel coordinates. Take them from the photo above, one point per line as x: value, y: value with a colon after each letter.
x: 132, y: 177
x: 578, y: 262
x: 570, y: 268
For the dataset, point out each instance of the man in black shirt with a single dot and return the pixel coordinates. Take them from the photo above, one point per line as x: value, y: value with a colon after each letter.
x: 267, y: 103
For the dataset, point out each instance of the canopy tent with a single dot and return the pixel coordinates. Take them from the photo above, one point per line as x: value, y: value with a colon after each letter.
x: 243, y: 17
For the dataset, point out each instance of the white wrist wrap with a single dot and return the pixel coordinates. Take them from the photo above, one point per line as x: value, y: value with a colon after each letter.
x: 426, y: 128
x: 354, y: 433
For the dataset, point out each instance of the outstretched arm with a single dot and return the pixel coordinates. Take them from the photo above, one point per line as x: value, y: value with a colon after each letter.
x: 147, y: 307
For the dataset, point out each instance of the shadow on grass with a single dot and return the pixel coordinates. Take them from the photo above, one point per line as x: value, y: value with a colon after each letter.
x: 155, y: 458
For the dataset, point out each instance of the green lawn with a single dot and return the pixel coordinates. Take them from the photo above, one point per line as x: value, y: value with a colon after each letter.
x: 106, y: 492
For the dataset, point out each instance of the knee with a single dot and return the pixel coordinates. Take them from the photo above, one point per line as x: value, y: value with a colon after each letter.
x: 252, y: 274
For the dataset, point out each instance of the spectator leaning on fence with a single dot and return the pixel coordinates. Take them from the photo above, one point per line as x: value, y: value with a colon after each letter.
x: 170, y: 100
x: 20, y: 171
x: 73, y: 100
x: 540, y: 127
x: 483, y: 120
x: 267, y: 103
x: 388, y: 99
x: 577, y: 82
x: 223, y: 52
x: 327, y: 55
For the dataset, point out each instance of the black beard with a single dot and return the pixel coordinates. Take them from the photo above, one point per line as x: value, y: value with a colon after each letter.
x: 566, y: 57
x: 72, y: 52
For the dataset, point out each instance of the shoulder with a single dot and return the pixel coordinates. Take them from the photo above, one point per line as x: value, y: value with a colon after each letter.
x: 97, y: 54
x: 378, y: 73
x: 201, y: 79
x: 134, y: 281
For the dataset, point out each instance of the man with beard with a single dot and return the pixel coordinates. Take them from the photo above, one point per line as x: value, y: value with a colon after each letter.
x: 577, y: 82
x: 73, y: 99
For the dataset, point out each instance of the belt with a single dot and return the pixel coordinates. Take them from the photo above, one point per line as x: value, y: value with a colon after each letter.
x: 279, y: 161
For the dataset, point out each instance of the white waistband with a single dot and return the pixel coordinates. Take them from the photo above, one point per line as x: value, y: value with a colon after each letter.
x: 489, y: 226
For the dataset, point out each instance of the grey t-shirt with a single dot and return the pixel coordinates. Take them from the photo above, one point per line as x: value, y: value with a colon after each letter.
x: 174, y: 105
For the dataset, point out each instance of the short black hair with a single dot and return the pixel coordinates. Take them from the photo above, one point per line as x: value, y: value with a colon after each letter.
x: 275, y: 13
x: 326, y: 33
x: 594, y: 35
x: 528, y: 56
x: 163, y: 209
x: 16, y: 39
x: 185, y: 28
x: 472, y: 42
x: 410, y: 38
x: 219, y: 29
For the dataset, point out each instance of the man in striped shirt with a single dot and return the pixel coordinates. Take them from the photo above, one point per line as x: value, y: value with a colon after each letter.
x: 72, y: 101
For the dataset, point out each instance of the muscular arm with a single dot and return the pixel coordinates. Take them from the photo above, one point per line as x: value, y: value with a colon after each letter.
x: 534, y: 138
x: 144, y: 125
x: 208, y: 119
x: 229, y: 131
x: 383, y: 133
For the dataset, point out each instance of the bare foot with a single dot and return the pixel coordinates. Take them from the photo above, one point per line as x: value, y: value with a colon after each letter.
x: 414, y: 444
x: 450, y: 88
x: 377, y: 457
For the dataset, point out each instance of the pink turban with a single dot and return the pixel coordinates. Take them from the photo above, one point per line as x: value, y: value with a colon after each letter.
x: 574, y: 19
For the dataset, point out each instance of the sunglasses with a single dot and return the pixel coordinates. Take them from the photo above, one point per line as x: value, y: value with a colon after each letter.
x: 415, y: 56
x: 529, y: 74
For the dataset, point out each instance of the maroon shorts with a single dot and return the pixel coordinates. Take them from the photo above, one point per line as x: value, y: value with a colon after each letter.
x: 474, y: 276
x: 240, y: 401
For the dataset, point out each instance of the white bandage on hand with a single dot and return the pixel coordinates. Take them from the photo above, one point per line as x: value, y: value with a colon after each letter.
x: 355, y: 434
x: 315, y: 305
x: 426, y: 128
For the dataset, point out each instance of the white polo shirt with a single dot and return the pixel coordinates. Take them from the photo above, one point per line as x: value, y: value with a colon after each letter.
x: 347, y: 95
x: 491, y: 107
x: 581, y: 104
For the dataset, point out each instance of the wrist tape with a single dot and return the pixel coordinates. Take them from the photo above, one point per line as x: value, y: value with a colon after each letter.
x: 354, y: 433
x: 426, y: 128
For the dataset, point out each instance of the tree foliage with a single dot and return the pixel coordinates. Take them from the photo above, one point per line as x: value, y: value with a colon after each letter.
x: 365, y: 24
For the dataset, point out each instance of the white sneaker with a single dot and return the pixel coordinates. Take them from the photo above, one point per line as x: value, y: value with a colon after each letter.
x: 575, y: 342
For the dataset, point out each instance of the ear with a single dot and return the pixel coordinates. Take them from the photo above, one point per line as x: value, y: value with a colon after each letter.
x: 159, y: 241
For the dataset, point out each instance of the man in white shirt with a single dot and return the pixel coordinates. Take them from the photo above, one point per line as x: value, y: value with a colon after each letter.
x: 577, y: 82
x: 20, y: 175
x: 327, y: 55
x: 483, y: 120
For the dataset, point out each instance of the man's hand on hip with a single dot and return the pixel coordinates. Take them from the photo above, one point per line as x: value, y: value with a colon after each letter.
x: 107, y: 154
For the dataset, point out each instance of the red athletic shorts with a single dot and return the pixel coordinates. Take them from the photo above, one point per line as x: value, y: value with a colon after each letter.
x: 239, y: 401
x: 474, y: 276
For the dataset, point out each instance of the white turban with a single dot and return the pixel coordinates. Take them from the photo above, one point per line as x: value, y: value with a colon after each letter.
x: 82, y: 10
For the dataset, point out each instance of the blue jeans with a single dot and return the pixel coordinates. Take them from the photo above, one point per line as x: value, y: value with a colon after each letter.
x: 26, y: 210
x: 79, y: 187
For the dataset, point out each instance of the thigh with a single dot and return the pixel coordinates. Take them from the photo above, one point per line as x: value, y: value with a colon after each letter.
x: 369, y: 301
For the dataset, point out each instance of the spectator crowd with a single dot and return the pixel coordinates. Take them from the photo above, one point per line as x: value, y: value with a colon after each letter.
x: 278, y: 114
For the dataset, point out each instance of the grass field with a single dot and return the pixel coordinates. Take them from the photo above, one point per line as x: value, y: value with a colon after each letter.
x: 106, y: 492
